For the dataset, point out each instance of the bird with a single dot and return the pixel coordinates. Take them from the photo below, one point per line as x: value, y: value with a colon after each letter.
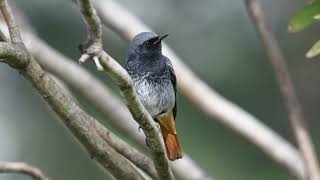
x: 155, y: 83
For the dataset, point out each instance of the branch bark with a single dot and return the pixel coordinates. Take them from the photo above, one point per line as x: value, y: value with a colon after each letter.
x: 137, y: 158
x: 22, y: 168
x: 124, y: 82
x: 78, y: 122
x: 204, y: 97
x: 10, y: 21
x: 291, y: 102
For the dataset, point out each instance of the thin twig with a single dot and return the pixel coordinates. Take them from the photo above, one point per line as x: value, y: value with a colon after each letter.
x: 123, y: 80
x: 92, y: 48
x: 12, y: 26
x: 22, y: 168
x: 205, y: 98
x: 287, y: 90
x: 92, y: 20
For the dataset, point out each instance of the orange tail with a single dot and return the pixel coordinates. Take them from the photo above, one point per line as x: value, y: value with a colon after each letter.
x: 170, y: 138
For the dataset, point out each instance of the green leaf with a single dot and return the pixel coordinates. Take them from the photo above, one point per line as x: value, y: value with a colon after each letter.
x: 307, y: 16
x: 314, y: 51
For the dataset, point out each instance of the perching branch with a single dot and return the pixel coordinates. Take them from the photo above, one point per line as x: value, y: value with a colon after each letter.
x: 123, y: 80
x: 204, y: 97
x: 287, y: 90
x: 22, y: 168
x: 78, y: 122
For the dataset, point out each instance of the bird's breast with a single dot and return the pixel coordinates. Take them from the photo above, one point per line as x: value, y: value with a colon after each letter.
x: 157, y: 96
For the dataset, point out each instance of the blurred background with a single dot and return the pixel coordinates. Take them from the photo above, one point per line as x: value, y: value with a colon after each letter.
x: 216, y: 39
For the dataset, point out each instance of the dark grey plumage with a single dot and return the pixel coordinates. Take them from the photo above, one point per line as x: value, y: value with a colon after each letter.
x: 152, y: 74
x: 155, y: 83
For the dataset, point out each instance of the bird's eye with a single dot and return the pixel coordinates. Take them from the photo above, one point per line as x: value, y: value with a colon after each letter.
x: 147, y: 43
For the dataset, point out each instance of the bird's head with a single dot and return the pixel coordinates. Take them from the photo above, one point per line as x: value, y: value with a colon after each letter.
x: 147, y: 42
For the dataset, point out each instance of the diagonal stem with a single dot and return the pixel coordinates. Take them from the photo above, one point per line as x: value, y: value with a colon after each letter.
x: 287, y: 90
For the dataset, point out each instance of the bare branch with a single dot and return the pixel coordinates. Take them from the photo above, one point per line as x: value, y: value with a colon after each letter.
x: 123, y: 80
x: 287, y: 90
x: 92, y: 48
x: 137, y: 158
x: 209, y: 101
x: 78, y: 122
x: 12, y: 26
x: 22, y: 168
x: 92, y: 20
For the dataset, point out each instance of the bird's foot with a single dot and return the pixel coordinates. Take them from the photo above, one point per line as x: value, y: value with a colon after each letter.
x: 91, y: 50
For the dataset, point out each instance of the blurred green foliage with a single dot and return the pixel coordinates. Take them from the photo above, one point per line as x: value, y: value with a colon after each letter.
x: 307, y: 16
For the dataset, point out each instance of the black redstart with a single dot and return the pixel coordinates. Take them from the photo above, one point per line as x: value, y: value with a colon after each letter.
x: 155, y: 83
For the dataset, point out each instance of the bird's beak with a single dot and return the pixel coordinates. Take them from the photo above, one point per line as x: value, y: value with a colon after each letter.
x: 160, y: 39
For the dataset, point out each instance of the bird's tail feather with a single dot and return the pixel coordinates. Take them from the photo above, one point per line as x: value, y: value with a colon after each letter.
x: 170, y: 139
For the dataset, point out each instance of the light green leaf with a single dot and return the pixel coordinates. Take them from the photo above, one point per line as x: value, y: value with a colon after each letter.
x: 308, y: 15
x: 314, y: 51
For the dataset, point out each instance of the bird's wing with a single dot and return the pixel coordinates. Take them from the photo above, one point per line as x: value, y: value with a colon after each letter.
x: 174, y: 84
